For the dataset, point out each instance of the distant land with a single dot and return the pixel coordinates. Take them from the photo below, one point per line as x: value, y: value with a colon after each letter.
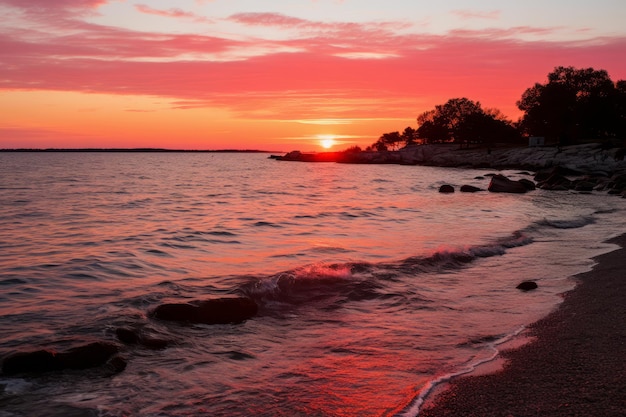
x: 134, y: 150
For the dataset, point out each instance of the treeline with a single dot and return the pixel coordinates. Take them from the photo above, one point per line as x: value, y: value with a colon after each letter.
x: 574, y: 105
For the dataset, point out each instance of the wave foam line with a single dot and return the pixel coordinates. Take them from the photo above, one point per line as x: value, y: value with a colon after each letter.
x: 414, y: 409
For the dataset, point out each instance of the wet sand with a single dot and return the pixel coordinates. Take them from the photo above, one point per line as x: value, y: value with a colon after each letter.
x: 575, y: 366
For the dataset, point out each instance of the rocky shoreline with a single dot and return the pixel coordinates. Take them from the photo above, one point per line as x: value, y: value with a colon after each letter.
x: 582, y: 168
x: 584, y: 158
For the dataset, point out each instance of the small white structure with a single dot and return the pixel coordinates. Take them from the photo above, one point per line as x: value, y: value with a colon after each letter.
x: 534, y: 141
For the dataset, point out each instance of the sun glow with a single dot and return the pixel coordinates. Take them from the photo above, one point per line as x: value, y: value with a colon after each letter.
x: 327, y: 141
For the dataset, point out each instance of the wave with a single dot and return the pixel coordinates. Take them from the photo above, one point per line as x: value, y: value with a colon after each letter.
x: 355, y: 281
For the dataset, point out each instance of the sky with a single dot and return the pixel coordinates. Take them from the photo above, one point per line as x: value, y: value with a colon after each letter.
x: 278, y: 75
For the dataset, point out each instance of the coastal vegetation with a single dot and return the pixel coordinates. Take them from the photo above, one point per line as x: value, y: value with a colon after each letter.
x: 575, y: 105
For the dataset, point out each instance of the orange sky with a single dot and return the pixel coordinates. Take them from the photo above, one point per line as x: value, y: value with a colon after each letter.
x: 196, y: 74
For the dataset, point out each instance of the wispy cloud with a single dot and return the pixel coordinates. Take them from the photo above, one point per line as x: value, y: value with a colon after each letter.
x: 173, y: 13
x: 269, y: 19
x: 476, y: 14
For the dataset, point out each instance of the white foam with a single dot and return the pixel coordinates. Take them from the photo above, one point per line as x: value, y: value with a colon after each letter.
x: 428, y: 389
x: 15, y: 386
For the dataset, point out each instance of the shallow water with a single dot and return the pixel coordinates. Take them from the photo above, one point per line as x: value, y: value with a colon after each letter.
x: 371, y: 285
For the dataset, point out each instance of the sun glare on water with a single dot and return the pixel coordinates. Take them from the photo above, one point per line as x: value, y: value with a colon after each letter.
x: 326, y: 141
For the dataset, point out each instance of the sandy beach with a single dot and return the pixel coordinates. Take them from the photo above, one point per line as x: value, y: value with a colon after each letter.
x: 575, y: 365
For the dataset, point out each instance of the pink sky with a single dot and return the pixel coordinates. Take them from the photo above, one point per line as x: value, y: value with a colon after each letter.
x: 217, y: 74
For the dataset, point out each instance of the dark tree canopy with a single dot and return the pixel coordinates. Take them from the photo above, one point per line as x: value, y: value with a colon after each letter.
x: 409, y: 136
x: 464, y: 121
x: 574, y: 104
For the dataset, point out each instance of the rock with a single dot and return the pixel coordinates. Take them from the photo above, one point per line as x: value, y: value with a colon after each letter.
x: 585, y: 186
x: 557, y: 172
x: 619, y: 178
x: 117, y: 364
x: 602, y: 186
x: 127, y: 336
x: 527, y: 286
x: 554, y: 187
x: 446, y: 189
x: 528, y: 184
x: 87, y: 356
x: 28, y: 362
x: 542, y: 175
x: 556, y: 180
x: 82, y: 357
x: 469, y: 189
x: 501, y: 184
x: 214, y: 311
x: 135, y: 337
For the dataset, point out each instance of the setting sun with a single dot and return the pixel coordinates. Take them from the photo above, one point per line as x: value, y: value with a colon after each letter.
x: 327, y: 141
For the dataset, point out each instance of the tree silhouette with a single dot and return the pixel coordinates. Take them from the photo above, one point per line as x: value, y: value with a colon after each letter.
x: 391, y: 140
x: 463, y: 121
x: 431, y: 129
x: 409, y: 136
x: 575, y: 104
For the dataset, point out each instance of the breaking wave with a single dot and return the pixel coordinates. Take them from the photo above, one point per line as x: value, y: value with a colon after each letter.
x: 356, y: 281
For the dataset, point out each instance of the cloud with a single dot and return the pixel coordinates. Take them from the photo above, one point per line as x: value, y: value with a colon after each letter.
x: 269, y: 19
x: 174, y: 13
x: 326, y: 71
x: 56, y: 4
x: 474, y: 14
x: 279, y: 20
x: 49, y: 10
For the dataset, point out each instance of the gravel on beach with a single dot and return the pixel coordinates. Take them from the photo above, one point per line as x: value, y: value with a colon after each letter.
x: 575, y: 365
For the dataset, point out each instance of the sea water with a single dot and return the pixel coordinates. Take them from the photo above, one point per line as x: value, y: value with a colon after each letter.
x: 372, y: 287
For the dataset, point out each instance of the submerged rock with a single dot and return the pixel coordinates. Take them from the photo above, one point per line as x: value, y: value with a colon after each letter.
x: 136, y: 337
x: 214, y: 311
x: 39, y: 361
x: 527, y: 286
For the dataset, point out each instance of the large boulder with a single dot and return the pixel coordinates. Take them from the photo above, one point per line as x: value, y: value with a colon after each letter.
x: 501, y: 184
x: 82, y: 357
x: 214, y: 311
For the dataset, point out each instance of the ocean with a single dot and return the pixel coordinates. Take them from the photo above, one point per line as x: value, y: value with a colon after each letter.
x: 373, y: 288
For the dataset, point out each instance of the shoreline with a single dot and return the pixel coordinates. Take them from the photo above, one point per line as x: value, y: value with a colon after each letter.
x: 580, y: 168
x: 585, y: 158
x: 574, y: 364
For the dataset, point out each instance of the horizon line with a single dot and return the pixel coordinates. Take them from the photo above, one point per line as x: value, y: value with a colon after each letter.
x: 135, y: 150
